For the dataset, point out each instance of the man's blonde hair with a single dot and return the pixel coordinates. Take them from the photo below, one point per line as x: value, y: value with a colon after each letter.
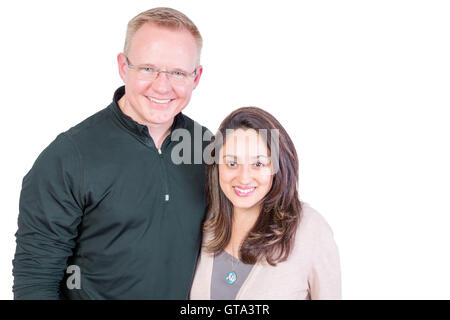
x: 163, y: 17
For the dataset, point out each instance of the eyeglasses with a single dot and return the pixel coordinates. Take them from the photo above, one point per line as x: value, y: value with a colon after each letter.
x: 149, y: 73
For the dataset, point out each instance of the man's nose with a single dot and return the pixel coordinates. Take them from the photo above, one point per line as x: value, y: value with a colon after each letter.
x: 161, y: 82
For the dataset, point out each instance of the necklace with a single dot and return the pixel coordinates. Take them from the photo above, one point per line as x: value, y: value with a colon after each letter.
x: 231, y: 276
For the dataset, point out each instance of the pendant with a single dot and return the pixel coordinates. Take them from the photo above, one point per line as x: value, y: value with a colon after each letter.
x: 231, y: 277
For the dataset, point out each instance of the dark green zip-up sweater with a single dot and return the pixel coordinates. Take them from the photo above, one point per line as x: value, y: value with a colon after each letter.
x: 103, y: 198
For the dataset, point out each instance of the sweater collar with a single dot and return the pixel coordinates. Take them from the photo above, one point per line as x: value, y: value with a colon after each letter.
x: 133, y: 126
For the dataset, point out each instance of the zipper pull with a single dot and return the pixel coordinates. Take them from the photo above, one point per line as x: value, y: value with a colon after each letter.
x: 167, y: 197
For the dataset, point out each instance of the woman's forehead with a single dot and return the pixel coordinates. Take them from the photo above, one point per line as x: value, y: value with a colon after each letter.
x: 244, y: 142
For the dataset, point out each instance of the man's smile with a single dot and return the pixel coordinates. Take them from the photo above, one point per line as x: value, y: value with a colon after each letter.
x: 159, y: 100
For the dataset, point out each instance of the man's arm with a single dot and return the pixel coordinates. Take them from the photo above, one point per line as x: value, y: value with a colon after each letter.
x: 50, y: 212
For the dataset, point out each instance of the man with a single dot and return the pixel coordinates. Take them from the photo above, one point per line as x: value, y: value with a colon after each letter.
x: 105, y: 213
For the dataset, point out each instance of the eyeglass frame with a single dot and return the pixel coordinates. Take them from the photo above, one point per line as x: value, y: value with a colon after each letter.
x: 158, y: 71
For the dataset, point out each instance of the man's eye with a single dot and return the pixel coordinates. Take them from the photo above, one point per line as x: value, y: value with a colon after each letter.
x: 178, y: 74
x: 146, y: 70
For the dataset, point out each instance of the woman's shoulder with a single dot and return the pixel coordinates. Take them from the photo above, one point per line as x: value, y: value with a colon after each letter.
x: 312, y: 224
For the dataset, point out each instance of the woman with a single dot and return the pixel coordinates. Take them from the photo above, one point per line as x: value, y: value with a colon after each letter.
x: 260, y: 241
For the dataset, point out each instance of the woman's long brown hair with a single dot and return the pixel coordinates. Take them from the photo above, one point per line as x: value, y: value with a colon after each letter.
x: 272, y: 236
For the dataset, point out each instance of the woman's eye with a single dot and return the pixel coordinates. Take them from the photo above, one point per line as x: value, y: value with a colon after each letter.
x: 259, y: 164
x: 232, y: 163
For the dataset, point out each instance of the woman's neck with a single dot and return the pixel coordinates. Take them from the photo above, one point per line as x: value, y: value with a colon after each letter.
x: 243, y: 221
x: 245, y: 218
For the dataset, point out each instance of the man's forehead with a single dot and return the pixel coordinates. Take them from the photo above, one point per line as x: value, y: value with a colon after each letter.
x: 150, y: 38
x: 158, y: 28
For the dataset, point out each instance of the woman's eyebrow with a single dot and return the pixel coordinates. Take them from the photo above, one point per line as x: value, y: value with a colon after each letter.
x: 260, y: 156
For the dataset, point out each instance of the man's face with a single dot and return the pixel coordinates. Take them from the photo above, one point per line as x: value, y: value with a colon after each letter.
x: 158, y: 101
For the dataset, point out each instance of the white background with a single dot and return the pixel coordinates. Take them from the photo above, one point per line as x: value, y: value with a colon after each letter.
x: 362, y: 87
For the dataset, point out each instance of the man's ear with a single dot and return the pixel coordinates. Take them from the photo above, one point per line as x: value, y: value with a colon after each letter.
x: 122, y: 65
x: 197, y: 76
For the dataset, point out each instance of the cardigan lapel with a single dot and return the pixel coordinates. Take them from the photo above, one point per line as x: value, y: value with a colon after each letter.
x: 208, y: 259
x: 249, y: 281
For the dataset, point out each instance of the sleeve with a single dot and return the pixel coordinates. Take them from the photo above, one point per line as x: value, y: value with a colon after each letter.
x: 325, y: 276
x: 50, y: 212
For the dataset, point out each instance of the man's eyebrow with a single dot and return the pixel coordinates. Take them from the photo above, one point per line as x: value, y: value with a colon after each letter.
x: 146, y: 65
x: 155, y: 67
x: 178, y: 70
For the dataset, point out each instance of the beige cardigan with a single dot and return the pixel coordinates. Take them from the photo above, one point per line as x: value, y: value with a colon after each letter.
x: 312, y: 271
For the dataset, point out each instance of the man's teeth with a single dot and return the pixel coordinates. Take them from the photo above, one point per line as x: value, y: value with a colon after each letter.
x: 245, y: 191
x: 159, y: 101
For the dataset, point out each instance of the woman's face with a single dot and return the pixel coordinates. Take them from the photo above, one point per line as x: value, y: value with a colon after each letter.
x: 245, y: 173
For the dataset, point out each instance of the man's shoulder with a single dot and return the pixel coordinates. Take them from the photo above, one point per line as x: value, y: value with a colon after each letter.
x: 91, y: 125
x: 190, y: 124
x: 66, y: 145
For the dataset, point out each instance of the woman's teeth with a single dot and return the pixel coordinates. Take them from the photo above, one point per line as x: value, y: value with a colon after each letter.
x: 244, y: 190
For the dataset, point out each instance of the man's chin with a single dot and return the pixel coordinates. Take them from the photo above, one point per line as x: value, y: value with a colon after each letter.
x: 162, y: 119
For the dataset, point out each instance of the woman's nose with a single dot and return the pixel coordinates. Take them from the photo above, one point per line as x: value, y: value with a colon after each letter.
x: 245, y: 174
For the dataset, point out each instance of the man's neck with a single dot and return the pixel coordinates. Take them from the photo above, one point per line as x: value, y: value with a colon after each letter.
x: 158, y: 131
